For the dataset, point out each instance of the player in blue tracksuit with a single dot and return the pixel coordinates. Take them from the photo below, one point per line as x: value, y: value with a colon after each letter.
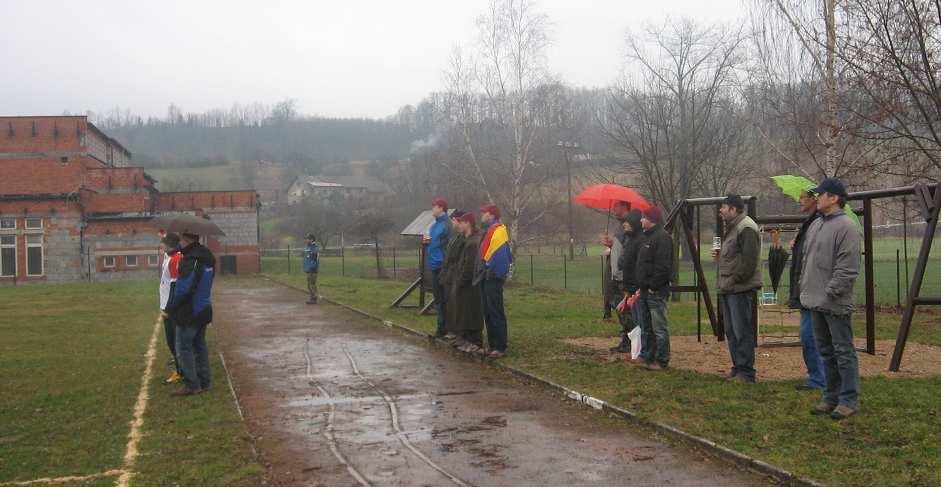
x: 190, y: 305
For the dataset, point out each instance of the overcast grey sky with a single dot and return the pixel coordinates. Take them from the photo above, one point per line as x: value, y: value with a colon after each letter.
x: 336, y: 58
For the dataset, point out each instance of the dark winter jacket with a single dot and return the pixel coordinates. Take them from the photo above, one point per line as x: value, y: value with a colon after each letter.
x: 312, y: 258
x: 190, y: 303
x: 465, y: 309
x: 655, y: 261
x: 797, y: 258
x: 631, y: 243
x: 452, y: 254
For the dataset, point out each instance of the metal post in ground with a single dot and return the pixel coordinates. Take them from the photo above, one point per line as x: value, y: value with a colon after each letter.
x: 289, y: 259
x: 393, y: 263
x: 565, y: 274
x: 898, y: 278
x: 342, y: 262
x: 532, y: 281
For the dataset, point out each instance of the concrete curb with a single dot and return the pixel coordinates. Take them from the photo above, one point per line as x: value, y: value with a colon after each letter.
x: 708, y: 447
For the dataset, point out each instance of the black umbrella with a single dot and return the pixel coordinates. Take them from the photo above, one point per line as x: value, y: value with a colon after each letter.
x: 777, y: 259
x: 184, y: 223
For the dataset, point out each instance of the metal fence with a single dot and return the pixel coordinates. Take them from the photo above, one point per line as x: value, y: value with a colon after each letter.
x: 549, y: 267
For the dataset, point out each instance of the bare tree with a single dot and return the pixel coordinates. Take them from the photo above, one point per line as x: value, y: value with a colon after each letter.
x: 891, y: 49
x: 492, y: 103
x: 663, y: 122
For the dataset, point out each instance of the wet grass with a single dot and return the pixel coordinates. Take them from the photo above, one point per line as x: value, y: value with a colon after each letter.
x: 71, y: 358
x: 895, y: 440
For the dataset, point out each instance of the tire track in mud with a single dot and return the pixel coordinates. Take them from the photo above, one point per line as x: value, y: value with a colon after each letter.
x: 403, y: 438
x: 328, y: 430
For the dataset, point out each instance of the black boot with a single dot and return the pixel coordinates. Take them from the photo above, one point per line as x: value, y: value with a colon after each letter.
x: 623, y: 347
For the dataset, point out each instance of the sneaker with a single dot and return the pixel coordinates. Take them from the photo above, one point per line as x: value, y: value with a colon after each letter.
x: 174, y: 378
x: 184, y: 391
x: 623, y: 347
x: 469, y: 348
x: 637, y: 362
x: 822, y: 408
x: 496, y: 354
x: 842, y: 412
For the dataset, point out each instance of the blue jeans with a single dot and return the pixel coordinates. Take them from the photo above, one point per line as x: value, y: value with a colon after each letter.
x: 441, y: 298
x: 739, y: 331
x: 491, y: 296
x: 192, y: 356
x: 651, y: 313
x: 812, y: 360
x: 834, y: 337
x: 169, y: 329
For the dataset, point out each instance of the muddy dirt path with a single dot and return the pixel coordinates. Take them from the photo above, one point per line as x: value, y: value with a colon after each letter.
x: 334, y: 399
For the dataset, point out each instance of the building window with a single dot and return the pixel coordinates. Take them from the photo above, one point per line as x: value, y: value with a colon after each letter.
x: 7, y: 224
x: 152, y: 260
x: 34, y: 255
x: 108, y: 262
x: 130, y: 260
x: 34, y: 223
x: 8, y: 256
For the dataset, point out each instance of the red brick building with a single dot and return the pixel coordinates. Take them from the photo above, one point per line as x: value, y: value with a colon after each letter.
x: 71, y: 207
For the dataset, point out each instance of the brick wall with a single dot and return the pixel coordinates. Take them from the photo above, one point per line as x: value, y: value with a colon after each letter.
x: 59, y: 237
x: 42, y: 134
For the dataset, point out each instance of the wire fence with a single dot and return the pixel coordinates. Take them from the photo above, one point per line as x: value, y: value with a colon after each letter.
x: 550, y: 267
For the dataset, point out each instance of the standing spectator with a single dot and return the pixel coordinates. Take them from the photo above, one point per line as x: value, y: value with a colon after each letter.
x: 465, y: 300
x: 627, y: 264
x: 492, y: 269
x: 739, y: 278
x: 612, y: 284
x: 312, y: 266
x: 437, y: 241
x: 190, y: 307
x: 654, y: 268
x: 828, y: 272
x: 449, y: 272
x: 812, y: 360
x: 169, y: 271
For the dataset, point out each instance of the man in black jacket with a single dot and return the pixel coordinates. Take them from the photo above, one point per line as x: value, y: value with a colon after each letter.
x: 812, y: 360
x: 654, y: 268
x: 190, y: 306
x: 627, y: 264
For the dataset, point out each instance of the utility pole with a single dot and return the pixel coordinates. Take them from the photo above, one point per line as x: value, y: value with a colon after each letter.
x: 564, y: 146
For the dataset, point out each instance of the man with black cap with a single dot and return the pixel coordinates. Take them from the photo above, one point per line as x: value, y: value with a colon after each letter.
x: 654, y: 270
x: 739, y: 278
x: 190, y: 307
x: 311, y: 266
x: 828, y: 273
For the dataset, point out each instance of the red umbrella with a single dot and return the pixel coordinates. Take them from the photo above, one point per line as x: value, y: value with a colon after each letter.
x: 604, y: 196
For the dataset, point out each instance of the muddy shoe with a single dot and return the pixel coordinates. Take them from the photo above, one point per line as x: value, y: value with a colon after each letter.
x: 730, y: 376
x: 623, y: 347
x: 842, y: 412
x: 496, y: 354
x: 183, y: 392
x: 822, y: 408
x: 655, y: 366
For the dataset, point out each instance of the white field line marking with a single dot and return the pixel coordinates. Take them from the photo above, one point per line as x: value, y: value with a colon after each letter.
x: 134, y: 436
x: 62, y: 480
x: 228, y: 379
x: 328, y: 431
x: 403, y: 438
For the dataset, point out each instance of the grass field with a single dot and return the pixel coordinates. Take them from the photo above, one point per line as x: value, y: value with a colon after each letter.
x: 584, y: 273
x: 210, y: 178
x: 72, y: 359
x: 895, y: 440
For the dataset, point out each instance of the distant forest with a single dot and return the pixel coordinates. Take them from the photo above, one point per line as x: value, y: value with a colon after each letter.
x: 260, y: 132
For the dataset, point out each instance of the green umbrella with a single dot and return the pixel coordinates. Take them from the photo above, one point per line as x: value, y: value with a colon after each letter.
x: 794, y: 186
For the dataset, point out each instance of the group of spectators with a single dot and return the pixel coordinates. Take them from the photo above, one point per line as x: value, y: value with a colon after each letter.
x: 186, y: 278
x: 468, y: 269
x: 825, y: 265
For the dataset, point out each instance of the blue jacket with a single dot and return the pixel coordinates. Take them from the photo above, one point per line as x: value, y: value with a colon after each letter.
x: 190, y: 303
x: 440, y: 234
x: 312, y: 258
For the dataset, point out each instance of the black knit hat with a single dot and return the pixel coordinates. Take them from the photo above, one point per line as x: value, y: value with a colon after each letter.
x: 735, y: 201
